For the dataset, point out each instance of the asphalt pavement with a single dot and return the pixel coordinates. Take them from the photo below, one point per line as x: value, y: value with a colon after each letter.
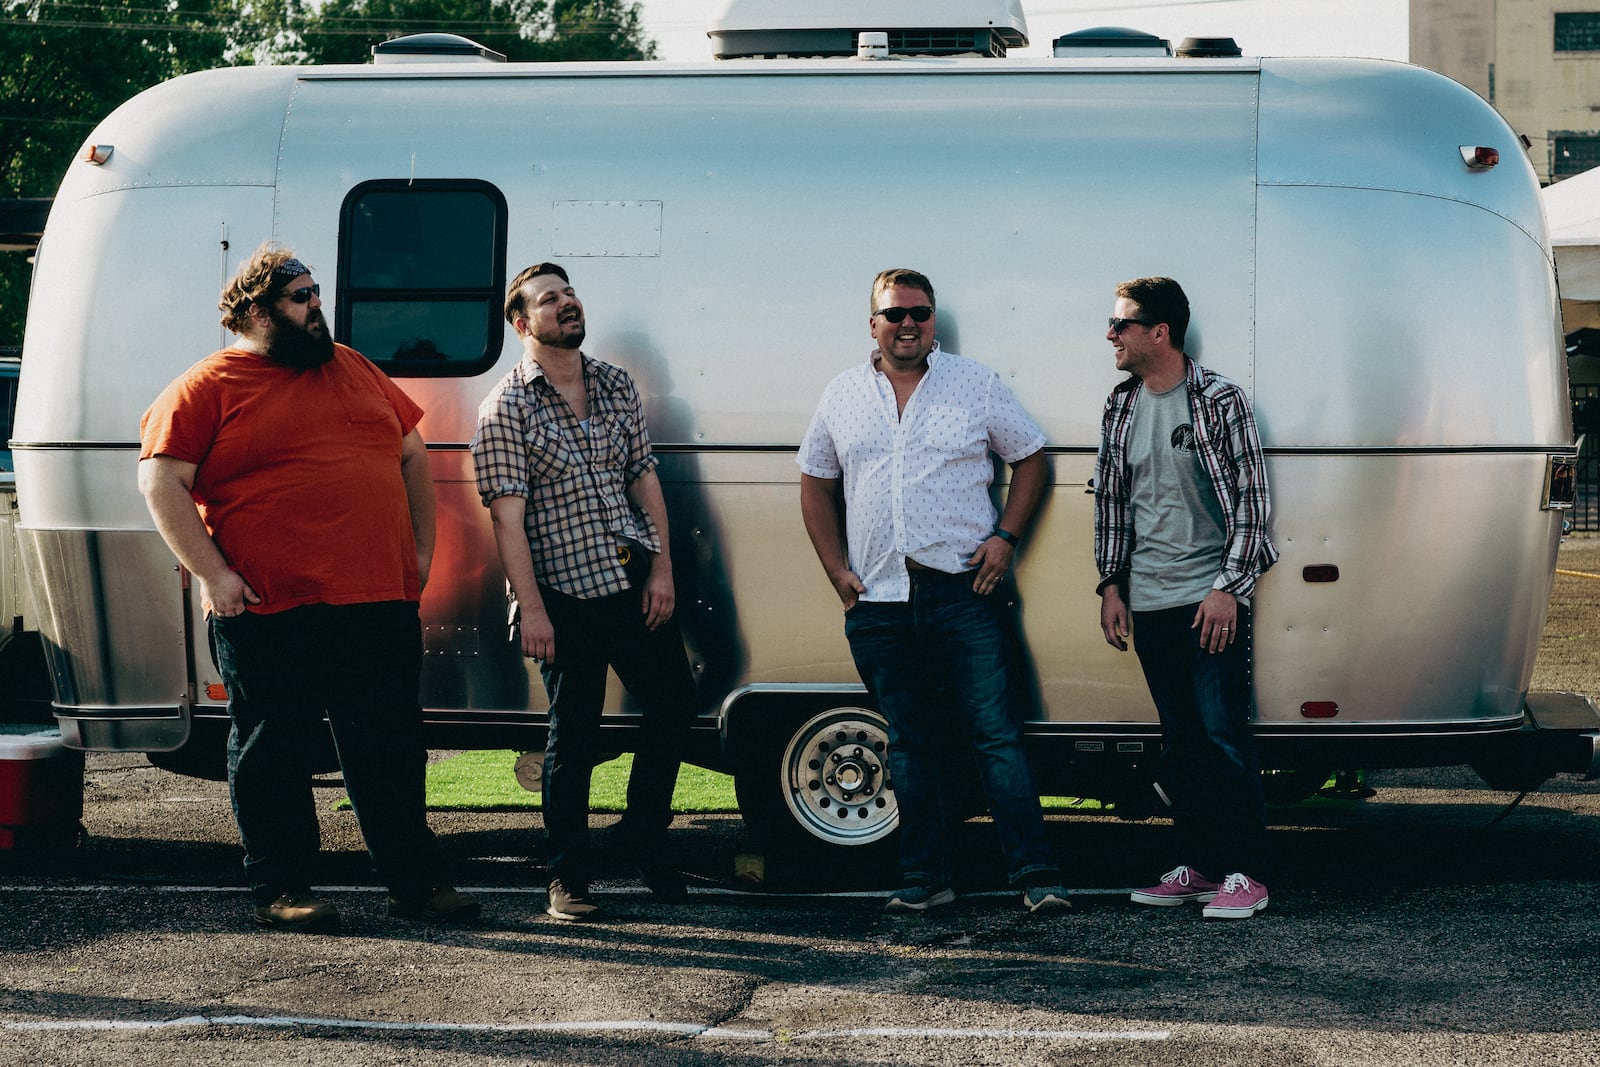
x: 1427, y: 924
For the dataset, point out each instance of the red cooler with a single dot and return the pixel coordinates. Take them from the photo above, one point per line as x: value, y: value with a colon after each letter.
x: 41, y: 787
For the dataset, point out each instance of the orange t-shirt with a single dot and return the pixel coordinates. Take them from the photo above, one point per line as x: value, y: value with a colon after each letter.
x: 297, y: 474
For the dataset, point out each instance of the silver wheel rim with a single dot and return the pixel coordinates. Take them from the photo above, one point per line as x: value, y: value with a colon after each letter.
x: 835, y: 777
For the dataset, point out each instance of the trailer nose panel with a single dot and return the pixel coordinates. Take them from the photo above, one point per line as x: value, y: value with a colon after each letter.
x: 111, y: 613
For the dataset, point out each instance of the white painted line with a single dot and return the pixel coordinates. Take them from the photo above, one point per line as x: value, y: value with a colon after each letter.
x: 726, y: 1033
x: 288, y: 1021
x: 978, y: 1032
x: 697, y: 1030
x: 601, y: 888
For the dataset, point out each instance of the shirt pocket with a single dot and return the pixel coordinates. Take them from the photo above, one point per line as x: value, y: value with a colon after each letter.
x: 608, y: 442
x: 550, y: 457
x: 365, y: 407
x: 946, y: 428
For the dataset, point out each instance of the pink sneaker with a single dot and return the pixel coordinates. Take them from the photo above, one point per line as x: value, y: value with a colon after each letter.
x: 1240, y: 898
x: 1178, y: 886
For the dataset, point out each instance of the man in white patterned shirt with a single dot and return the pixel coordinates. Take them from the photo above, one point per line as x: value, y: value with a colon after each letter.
x: 564, y: 465
x: 917, y: 562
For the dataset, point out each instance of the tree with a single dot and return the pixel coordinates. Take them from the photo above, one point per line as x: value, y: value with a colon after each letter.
x: 69, y: 63
x: 344, y: 31
x: 67, y: 66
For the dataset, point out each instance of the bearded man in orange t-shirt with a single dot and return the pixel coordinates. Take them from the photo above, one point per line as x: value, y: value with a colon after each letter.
x: 287, y: 475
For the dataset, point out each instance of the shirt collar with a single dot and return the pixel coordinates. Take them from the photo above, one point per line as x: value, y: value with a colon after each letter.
x: 933, y: 357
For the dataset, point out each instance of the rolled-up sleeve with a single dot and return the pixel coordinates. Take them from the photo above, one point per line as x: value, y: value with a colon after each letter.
x: 499, y: 455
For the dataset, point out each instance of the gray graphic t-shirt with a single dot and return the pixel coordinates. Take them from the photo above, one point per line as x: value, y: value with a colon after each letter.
x: 1179, y: 531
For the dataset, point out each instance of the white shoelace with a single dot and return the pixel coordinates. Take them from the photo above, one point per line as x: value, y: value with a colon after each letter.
x: 1235, y: 883
x: 1177, y: 874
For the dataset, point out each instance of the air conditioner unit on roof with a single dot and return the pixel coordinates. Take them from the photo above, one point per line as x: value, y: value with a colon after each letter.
x: 754, y: 29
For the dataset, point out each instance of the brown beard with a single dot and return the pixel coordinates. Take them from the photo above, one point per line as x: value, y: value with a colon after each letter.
x: 296, y: 346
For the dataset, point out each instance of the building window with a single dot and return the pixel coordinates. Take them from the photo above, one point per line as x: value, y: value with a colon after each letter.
x: 1573, y: 153
x: 422, y: 276
x: 1578, y: 31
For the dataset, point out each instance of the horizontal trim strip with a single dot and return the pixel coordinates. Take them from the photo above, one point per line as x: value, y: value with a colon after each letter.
x: 668, y: 448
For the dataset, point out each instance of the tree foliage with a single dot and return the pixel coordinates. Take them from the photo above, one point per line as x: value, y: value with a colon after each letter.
x: 344, y: 31
x: 69, y: 63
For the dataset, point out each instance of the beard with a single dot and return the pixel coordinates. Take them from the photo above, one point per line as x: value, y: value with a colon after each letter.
x: 563, y: 336
x: 297, y: 346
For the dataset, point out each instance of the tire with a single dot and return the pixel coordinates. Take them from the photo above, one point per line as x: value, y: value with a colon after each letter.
x: 821, y: 784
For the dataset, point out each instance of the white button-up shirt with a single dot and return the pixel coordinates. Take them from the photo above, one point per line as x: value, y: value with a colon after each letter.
x: 916, y: 484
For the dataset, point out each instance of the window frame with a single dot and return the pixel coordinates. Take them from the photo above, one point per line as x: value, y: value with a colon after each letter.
x: 492, y: 294
x: 1591, y: 21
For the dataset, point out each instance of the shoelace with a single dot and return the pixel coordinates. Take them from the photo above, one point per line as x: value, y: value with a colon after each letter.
x: 1235, y: 883
x: 1177, y: 874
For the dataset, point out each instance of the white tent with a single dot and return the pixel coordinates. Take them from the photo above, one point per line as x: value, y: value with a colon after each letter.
x: 1572, y: 211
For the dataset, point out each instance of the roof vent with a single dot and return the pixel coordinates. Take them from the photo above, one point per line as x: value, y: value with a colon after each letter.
x: 1103, y: 42
x: 1209, y: 48
x: 776, y: 29
x: 434, y: 48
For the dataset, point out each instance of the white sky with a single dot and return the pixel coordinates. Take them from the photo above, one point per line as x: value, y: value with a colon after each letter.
x: 1375, y: 28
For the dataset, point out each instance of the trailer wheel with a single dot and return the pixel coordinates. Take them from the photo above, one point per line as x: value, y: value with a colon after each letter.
x: 825, y: 783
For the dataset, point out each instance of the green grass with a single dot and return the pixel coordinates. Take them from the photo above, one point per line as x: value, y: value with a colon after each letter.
x: 476, y: 781
x: 485, y: 781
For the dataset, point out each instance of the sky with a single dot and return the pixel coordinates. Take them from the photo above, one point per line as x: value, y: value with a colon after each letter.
x: 1373, y: 28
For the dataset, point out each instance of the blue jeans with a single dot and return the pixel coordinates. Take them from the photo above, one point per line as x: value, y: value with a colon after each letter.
x: 360, y: 665
x: 942, y: 654
x: 1209, y: 767
x: 592, y: 635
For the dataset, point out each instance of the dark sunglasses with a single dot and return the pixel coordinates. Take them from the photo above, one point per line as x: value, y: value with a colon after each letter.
x: 920, y: 313
x: 303, y: 296
x: 1118, y: 325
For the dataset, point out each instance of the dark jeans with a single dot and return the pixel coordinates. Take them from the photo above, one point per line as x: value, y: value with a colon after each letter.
x: 1209, y: 767
x: 936, y: 663
x: 359, y: 664
x: 591, y: 635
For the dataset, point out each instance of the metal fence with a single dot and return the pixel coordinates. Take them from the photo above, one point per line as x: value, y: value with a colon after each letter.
x: 1586, y: 424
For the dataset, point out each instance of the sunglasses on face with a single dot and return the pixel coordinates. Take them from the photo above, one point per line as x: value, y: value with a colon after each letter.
x: 303, y: 296
x: 895, y: 316
x: 1118, y: 325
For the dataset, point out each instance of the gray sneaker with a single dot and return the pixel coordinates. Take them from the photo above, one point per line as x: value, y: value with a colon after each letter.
x: 1046, y: 899
x: 571, y: 903
x: 920, y: 897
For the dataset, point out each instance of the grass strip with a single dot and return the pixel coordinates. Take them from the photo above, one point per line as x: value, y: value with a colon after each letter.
x: 483, y: 781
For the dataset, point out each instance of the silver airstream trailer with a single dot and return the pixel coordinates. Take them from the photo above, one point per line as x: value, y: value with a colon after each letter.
x: 1362, y: 241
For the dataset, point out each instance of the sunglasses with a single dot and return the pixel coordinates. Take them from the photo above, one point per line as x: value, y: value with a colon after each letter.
x: 920, y: 313
x: 1118, y: 325
x: 303, y: 296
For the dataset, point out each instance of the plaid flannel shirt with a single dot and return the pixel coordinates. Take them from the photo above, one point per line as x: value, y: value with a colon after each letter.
x: 529, y: 443
x: 1229, y: 448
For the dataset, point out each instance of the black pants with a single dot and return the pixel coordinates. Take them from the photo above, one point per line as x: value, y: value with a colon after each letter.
x: 590, y: 636
x: 360, y: 664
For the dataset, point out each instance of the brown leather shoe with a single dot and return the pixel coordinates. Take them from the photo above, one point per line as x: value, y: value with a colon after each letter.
x: 298, y: 910
x: 441, y: 904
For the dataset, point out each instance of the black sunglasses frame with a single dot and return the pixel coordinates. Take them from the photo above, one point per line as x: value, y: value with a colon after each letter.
x: 896, y: 315
x: 1118, y: 325
x: 302, y: 295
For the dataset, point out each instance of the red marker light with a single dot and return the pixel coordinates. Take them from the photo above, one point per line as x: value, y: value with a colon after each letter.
x: 1319, y: 709
x: 1479, y: 157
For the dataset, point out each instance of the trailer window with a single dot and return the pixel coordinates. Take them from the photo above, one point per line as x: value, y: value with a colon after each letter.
x: 422, y: 276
